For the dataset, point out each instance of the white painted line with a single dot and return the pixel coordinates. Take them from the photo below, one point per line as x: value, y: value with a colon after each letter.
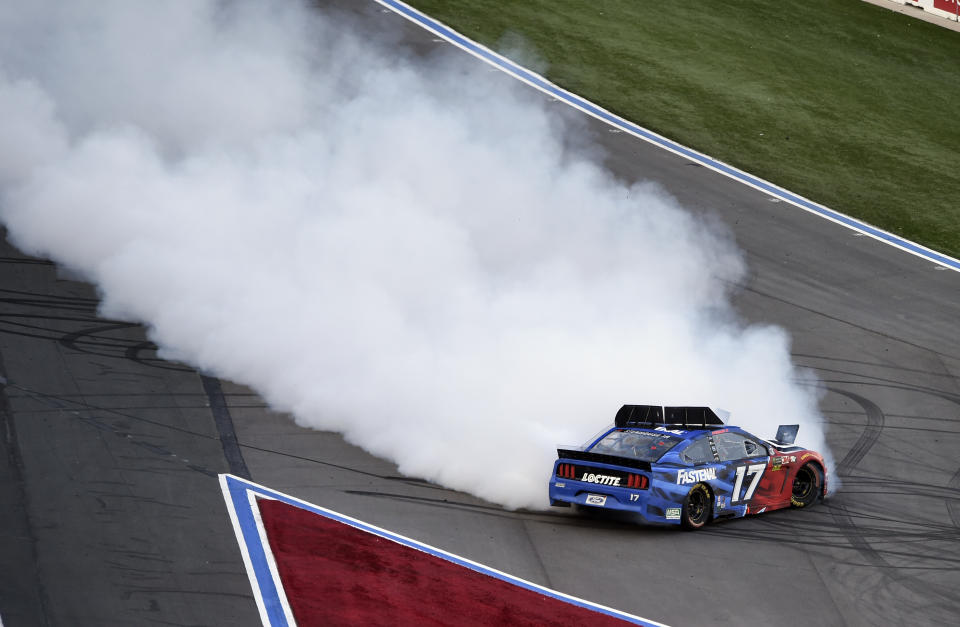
x: 271, y: 559
x: 539, y: 82
x: 244, y: 552
x: 241, y: 493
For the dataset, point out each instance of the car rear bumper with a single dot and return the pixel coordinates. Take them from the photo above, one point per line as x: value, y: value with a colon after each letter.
x: 652, y: 511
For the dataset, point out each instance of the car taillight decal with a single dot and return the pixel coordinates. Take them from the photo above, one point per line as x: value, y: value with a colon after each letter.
x: 602, y: 476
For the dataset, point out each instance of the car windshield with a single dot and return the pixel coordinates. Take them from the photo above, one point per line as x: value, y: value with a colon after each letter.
x: 648, y: 446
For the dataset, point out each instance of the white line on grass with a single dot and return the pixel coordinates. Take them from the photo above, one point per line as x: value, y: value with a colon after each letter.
x: 539, y: 82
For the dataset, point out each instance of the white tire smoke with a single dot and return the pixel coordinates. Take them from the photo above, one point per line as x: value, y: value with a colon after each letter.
x: 397, y: 249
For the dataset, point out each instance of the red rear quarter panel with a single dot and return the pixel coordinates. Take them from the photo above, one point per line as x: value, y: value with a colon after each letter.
x: 776, y: 484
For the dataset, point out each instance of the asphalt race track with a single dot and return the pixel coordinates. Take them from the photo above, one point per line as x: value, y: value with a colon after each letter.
x: 112, y: 512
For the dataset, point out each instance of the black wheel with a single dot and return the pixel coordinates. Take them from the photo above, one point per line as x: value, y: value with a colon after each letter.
x: 697, y: 506
x: 807, y: 486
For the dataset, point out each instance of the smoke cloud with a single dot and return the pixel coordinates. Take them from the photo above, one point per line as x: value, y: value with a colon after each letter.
x: 404, y: 250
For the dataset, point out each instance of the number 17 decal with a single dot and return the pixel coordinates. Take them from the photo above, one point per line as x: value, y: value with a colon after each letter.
x: 754, y: 469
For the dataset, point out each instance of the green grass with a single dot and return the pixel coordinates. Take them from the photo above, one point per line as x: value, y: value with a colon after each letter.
x: 848, y: 104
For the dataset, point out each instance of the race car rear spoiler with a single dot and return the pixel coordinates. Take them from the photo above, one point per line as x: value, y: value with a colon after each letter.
x: 586, y: 456
x: 657, y: 415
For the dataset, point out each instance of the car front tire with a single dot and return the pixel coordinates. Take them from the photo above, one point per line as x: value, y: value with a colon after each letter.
x: 807, y: 486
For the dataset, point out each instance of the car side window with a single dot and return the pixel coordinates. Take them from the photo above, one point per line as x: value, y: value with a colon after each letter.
x: 699, y: 452
x: 731, y: 446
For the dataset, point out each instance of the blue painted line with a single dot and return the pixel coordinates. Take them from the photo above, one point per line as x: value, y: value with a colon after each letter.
x: 239, y: 489
x: 535, y: 80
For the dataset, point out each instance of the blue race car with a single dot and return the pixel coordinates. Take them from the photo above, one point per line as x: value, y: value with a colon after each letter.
x: 684, y: 466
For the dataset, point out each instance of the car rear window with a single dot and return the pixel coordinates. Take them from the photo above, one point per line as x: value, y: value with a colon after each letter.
x: 648, y: 446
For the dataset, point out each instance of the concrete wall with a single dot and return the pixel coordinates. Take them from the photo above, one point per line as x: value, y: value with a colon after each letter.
x: 942, y: 8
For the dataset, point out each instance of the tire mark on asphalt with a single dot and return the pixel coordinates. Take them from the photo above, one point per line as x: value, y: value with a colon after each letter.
x: 131, y: 348
x: 28, y: 314
x: 85, y: 414
x: 886, y: 336
x: 854, y: 456
x: 92, y: 336
x: 875, y: 422
x: 897, y: 574
x: 33, y: 610
x: 83, y: 411
x: 224, y: 422
x: 133, y: 354
x: 888, y: 384
x: 953, y: 508
x: 844, y: 520
x: 871, y: 364
x: 544, y: 573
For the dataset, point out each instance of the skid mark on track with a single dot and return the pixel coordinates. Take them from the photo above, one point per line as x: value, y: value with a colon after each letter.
x: 82, y: 412
x: 953, y: 507
x: 73, y: 322
x: 96, y: 341
x: 898, y: 367
x: 872, y: 431
x: 816, y: 312
x: 36, y: 607
x: 875, y: 424
x: 866, y: 541
x: 900, y: 575
x: 133, y: 353
x: 224, y: 422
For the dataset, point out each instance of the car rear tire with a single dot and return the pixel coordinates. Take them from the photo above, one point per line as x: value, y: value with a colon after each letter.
x: 807, y: 486
x: 697, y: 507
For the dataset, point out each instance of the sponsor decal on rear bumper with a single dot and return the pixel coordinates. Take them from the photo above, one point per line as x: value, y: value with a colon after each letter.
x: 596, y: 499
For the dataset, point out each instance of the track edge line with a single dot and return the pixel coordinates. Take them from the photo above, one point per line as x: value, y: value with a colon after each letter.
x: 540, y: 83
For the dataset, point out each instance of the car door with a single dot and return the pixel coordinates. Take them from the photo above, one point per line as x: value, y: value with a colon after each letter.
x: 745, y: 463
x: 702, y: 463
